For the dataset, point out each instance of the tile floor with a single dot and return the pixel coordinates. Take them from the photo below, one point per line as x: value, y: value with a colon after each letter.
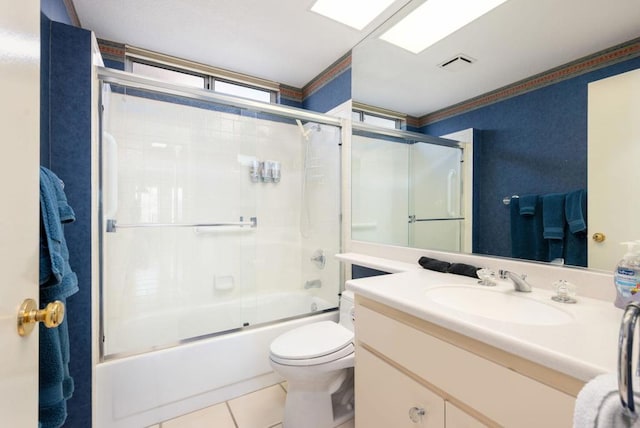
x: 259, y: 409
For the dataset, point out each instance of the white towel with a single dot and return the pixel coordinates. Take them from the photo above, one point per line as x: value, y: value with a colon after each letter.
x: 598, y: 405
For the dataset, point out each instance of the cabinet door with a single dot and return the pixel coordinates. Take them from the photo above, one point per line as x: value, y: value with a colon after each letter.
x: 385, y: 397
x: 456, y: 418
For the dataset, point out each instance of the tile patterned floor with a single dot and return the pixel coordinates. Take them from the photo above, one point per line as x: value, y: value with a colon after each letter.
x: 259, y: 409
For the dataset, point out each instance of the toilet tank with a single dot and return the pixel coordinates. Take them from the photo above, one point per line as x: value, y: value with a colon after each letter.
x: 347, y: 309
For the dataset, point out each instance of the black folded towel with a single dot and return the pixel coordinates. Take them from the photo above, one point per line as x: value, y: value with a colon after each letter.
x: 434, y: 264
x: 463, y: 269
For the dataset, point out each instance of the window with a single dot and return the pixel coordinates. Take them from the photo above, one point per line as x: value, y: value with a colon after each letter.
x: 242, y: 91
x: 376, y: 119
x: 182, y: 72
x: 167, y: 75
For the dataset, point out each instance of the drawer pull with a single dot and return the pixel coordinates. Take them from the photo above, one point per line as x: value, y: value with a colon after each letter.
x: 416, y: 414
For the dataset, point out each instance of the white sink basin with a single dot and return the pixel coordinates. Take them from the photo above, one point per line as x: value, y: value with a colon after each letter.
x: 498, y: 305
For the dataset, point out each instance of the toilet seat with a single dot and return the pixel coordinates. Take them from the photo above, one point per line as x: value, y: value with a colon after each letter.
x: 312, y: 344
x: 344, y: 352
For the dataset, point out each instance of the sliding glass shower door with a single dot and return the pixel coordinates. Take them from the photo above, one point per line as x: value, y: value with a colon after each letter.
x: 436, y: 214
x: 213, y: 217
x: 407, y: 189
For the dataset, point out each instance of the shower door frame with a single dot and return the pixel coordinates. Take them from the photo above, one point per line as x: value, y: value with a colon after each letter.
x: 131, y: 81
x: 411, y: 138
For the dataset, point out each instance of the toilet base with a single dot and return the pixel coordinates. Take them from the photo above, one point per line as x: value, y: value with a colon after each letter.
x: 311, y: 405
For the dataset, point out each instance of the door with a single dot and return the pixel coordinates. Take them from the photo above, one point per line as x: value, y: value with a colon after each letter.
x: 19, y: 216
x: 613, y: 150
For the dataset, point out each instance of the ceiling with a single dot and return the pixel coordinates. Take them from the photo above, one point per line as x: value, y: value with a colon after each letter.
x: 516, y: 40
x: 278, y: 40
x: 283, y: 41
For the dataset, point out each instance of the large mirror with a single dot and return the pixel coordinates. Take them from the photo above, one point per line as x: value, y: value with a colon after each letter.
x: 521, y: 85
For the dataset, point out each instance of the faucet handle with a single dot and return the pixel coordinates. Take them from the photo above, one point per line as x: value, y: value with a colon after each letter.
x: 565, y: 292
x: 503, y: 273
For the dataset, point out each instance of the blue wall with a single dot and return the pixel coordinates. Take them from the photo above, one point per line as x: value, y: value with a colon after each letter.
x: 358, y: 272
x: 331, y: 94
x: 534, y: 143
x: 65, y: 136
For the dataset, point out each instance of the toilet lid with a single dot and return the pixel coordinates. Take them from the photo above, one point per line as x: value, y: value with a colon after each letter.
x: 311, y: 341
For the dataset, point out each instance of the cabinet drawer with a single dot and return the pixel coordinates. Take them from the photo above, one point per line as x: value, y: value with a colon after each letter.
x: 503, y: 395
x: 456, y: 418
x: 385, y: 395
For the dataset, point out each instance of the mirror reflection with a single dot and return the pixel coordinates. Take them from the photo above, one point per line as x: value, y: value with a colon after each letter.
x: 527, y: 98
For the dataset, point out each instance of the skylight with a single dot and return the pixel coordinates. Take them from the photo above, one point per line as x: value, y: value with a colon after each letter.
x: 435, y: 20
x: 354, y: 13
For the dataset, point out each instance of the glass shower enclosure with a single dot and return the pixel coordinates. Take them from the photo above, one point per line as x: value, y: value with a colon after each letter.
x: 217, y: 213
x: 407, y: 189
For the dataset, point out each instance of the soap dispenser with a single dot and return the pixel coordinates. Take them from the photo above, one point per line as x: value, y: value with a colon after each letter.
x: 626, y: 277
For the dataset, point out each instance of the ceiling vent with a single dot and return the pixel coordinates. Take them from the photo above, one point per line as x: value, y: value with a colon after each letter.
x: 457, y: 63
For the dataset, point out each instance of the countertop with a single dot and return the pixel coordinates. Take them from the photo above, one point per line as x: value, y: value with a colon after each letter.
x: 583, y: 347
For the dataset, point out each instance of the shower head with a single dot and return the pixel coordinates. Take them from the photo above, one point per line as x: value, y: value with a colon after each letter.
x: 305, y: 132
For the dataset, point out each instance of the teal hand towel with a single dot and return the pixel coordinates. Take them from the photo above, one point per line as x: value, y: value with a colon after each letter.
x: 574, y: 209
x: 553, y: 221
x: 527, y: 204
x: 57, y: 282
x: 527, y: 241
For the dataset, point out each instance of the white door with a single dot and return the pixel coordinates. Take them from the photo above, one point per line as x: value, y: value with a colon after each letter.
x: 19, y: 215
x: 613, y: 173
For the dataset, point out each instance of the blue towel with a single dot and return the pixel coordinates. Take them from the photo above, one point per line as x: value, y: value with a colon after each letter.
x: 57, y: 282
x: 574, y: 209
x: 553, y: 221
x: 575, y: 251
x: 528, y: 204
x: 527, y: 241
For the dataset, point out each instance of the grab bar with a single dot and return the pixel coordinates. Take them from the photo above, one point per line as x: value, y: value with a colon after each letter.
x: 112, y: 225
x: 625, y: 358
x: 413, y: 219
x: 450, y: 183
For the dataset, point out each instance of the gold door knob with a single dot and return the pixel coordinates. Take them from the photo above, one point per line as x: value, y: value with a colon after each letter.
x: 599, y: 237
x: 52, y: 316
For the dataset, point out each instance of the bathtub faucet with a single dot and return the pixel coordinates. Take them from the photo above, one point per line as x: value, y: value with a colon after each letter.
x: 314, y: 283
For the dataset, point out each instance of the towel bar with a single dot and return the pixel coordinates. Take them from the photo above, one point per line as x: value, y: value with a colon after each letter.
x: 625, y: 358
x: 507, y: 199
x: 413, y: 219
x: 112, y: 225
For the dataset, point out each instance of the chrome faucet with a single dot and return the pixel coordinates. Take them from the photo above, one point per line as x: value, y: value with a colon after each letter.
x: 319, y: 259
x: 519, y: 281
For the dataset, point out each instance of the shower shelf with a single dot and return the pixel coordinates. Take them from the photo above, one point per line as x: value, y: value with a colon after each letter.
x: 112, y: 225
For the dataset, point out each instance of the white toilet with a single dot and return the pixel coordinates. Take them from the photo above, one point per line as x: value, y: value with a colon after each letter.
x: 317, y: 362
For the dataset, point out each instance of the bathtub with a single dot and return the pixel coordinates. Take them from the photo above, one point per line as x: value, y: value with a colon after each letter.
x: 149, y: 331
x: 152, y: 387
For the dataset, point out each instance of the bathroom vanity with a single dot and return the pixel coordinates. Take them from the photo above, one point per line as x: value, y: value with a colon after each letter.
x: 439, y: 350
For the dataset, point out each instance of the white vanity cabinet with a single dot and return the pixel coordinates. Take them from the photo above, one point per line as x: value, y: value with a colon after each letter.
x: 404, y: 363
